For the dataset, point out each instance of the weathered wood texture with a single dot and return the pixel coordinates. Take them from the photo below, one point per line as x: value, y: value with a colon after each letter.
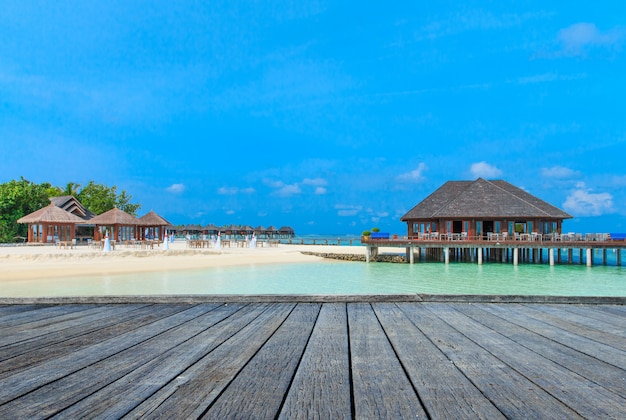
x: 313, y: 360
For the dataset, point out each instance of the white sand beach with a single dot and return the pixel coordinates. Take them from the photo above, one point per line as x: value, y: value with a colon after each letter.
x: 49, y: 261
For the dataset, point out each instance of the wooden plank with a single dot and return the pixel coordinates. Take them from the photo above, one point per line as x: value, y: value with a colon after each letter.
x: 83, y: 382
x: 42, y: 313
x: 276, y: 363
x: 618, y: 311
x: 26, y: 355
x: 584, y: 326
x: 202, y: 383
x: 6, y: 310
x: 123, y: 395
x: 578, y: 393
x: 520, y: 315
x: 76, y: 327
x: 52, y: 370
x: 603, y: 374
x: 381, y: 388
x: 321, y: 386
x: 442, y: 387
x: 14, y: 336
x: 597, y: 312
x: 513, y: 394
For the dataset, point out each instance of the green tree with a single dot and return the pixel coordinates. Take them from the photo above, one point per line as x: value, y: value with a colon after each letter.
x: 17, y: 199
x: 71, y: 189
x: 100, y: 198
x: 123, y: 203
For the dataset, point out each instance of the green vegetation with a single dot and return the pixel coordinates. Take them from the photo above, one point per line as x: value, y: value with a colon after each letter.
x: 21, y: 197
x: 375, y: 230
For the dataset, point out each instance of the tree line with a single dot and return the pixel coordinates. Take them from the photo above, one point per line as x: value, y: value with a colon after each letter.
x: 21, y: 197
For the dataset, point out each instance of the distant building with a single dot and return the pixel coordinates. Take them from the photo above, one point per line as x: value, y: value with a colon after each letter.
x: 478, y: 208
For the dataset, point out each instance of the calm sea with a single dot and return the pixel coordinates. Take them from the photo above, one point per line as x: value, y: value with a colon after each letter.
x: 330, y: 277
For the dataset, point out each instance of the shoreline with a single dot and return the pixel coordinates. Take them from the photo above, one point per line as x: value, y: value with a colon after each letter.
x: 37, y: 262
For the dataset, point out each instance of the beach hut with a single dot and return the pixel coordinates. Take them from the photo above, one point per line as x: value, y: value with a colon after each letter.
x: 51, y: 224
x: 120, y: 225
x: 152, y: 226
x: 478, y: 209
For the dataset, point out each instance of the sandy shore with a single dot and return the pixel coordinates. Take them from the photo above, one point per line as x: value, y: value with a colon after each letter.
x: 34, y: 262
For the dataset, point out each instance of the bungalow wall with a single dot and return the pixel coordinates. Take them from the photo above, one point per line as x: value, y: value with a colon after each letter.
x: 480, y: 227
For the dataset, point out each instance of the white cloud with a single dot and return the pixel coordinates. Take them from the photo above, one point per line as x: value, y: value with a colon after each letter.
x: 484, y: 170
x: 235, y: 190
x: 347, y: 210
x: 558, y: 172
x: 227, y: 190
x: 288, y: 190
x: 416, y: 175
x: 176, y: 188
x: 581, y: 202
x: 577, y: 38
x: 316, y: 182
x: 320, y: 191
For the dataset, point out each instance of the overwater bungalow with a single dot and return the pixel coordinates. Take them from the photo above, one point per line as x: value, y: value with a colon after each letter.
x: 286, y: 232
x: 271, y: 232
x: 210, y: 230
x: 478, y: 209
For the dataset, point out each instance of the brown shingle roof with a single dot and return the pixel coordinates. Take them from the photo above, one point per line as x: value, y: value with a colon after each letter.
x: 115, y: 216
x: 51, y: 214
x: 71, y: 204
x: 482, y: 199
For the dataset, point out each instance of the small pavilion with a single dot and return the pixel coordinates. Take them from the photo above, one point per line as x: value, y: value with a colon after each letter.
x: 120, y: 225
x: 152, y: 226
x: 478, y: 208
x: 51, y: 224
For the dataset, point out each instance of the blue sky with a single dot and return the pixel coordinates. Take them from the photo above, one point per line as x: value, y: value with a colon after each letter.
x: 317, y: 115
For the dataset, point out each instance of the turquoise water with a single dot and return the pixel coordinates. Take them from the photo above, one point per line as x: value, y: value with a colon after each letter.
x: 331, y: 277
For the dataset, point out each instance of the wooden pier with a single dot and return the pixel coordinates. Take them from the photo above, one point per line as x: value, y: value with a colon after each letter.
x: 501, y: 250
x: 348, y: 359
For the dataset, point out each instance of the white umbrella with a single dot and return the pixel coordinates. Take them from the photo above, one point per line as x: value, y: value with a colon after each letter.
x: 107, y: 242
x: 218, y: 243
x: 166, y: 242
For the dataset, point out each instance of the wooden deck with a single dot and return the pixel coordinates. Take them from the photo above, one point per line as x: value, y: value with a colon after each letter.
x: 313, y: 360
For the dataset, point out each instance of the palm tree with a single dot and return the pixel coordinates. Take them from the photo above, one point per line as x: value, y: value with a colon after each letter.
x: 71, y: 189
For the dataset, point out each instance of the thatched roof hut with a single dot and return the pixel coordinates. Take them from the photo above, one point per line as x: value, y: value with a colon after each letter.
x: 51, y: 214
x: 152, y: 226
x: 124, y: 225
x: 50, y: 223
x: 153, y: 219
